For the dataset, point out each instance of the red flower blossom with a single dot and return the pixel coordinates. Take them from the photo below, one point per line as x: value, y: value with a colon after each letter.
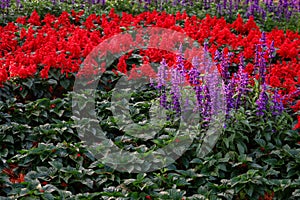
x: 21, y: 20
x: 297, y: 126
x: 34, y: 19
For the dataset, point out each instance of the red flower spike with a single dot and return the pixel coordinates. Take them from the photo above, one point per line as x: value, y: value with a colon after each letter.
x: 34, y: 19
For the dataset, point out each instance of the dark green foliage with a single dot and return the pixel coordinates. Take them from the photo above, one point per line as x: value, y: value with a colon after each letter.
x: 254, y: 156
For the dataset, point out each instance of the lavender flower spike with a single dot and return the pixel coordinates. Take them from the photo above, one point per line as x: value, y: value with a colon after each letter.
x: 262, y: 101
x: 277, y: 107
x: 175, y: 91
x: 162, y: 74
x: 242, y: 82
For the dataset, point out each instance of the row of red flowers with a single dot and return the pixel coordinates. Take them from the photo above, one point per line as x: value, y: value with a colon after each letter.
x: 32, y: 45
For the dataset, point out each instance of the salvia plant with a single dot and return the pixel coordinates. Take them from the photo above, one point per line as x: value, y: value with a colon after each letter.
x: 235, y: 86
x: 270, y: 13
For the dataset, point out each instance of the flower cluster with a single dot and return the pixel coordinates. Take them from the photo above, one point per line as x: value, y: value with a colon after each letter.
x: 33, y: 46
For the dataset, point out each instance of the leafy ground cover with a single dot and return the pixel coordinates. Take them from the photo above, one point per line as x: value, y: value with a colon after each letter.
x: 42, y: 155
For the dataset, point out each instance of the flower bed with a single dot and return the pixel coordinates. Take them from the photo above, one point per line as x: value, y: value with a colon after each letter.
x: 64, y: 44
x: 42, y: 155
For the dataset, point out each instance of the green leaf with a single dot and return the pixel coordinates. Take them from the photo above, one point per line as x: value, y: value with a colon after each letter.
x: 9, y: 139
x: 56, y: 164
x: 249, y: 190
x: 240, y: 148
x: 65, y: 83
x: 28, y: 83
x: 52, y: 81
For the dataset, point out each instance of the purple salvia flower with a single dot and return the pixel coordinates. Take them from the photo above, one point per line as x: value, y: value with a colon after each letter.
x: 183, y: 3
x: 180, y: 66
x: 199, y: 96
x: 205, y: 45
x: 256, y: 60
x: 161, y: 82
x: 219, y: 8
x: 224, y: 4
x: 229, y: 90
x: 180, y: 61
x: 272, y: 50
x: 163, y: 100
x: 230, y: 8
x: 217, y: 55
x: 212, y: 80
x: 242, y: 82
x: 236, y: 5
x: 162, y: 74
x: 262, y: 64
x: 277, y: 106
x: 263, y: 40
x: 207, y: 59
x: 152, y: 82
x: 225, y: 67
x: 175, y: 91
x: 207, y: 104
x: 262, y: 101
x: 193, y: 76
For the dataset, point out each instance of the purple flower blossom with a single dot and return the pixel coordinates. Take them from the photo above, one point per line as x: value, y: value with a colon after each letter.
x: 217, y: 55
x: 262, y: 67
x: 163, y: 100
x: 272, y: 50
x: 199, y: 97
x: 180, y: 61
x: 162, y: 74
x: 262, y: 101
x: 277, y: 105
x: 175, y: 90
x: 263, y: 40
x: 242, y: 82
x: 161, y: 83
x: 207, y: 104
x: 194, y: 75
x: 225, y: 4
x: 213, y: 83
x: 225, y: 66
x: 229, y: 90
